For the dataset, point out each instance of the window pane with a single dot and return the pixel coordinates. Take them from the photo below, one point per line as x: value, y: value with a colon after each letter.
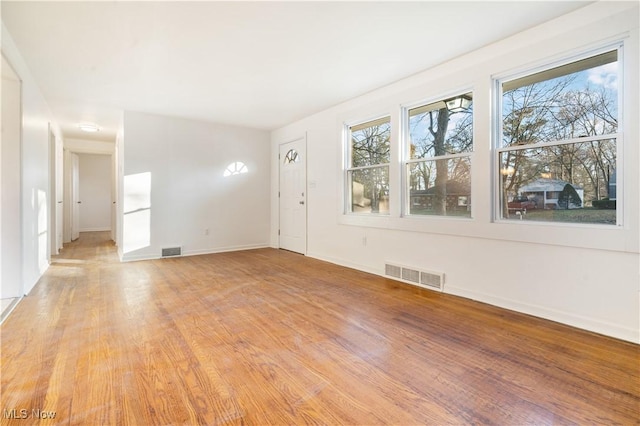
x: 370, y: 143
x: 563, y: 183
x: 435, y: 130
x: 369, y: 190
x: 291, y: 157
x: 571, y: 101
x: 440, y: 187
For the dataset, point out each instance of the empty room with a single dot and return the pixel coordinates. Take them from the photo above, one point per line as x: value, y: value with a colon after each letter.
x: 333, y: 213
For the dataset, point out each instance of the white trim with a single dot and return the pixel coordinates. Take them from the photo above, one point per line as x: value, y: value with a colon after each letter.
x: 573, y: 320
x: 620, y: 157
x: 372, y: 119
x: 347, y: 160
x: 99, y: 229
x: 461, y: 90
x: 561, y: 59
x: 343, y: 263
x: 571, y: 141
x: 438, y: 157
x: 404, y: 148
x: 374, y: 166
x: 11, y: 308
x: 496, y: 111
x: 138, y: 257
x: 223, y: 249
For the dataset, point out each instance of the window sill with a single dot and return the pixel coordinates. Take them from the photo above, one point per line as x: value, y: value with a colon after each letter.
x: 588, y: 236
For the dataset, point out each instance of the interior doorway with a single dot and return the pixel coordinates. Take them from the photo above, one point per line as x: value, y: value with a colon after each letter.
x: 75, y: 197
x: 90, y: 184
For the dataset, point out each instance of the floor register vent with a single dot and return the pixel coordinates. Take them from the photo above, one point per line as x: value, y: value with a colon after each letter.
x: 427, y: 279
x: 171, y: 251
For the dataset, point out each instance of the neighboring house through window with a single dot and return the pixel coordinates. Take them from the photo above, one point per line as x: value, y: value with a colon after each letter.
x: 438, y: 158
x: 558, y: 144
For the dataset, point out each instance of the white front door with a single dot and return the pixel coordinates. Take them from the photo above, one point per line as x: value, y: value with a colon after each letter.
x: 75, y: 197
x: 293, y: 196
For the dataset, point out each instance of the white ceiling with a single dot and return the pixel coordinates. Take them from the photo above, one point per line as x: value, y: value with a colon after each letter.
x: 256, y: 64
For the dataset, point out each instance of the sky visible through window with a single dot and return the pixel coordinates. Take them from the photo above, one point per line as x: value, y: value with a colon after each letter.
x: 588, y: 99
x: 558, y: 138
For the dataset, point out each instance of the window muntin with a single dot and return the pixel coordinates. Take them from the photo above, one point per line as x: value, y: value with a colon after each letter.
x: 438, y: 161
x: 559, y: 128
x: 368, y: 167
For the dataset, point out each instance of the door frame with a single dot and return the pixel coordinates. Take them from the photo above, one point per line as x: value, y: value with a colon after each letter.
x: 75, y: 195
x: 56, y: 214
x: 303, y: 138
x: 87, y: 146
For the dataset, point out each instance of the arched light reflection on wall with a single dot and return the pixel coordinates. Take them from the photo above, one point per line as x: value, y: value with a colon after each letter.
x: 235, y: 168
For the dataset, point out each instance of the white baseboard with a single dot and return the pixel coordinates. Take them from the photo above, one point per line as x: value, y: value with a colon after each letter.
x: 10, y: 308
x: 590, y: 324
x: 341, y: 262
x: 95, y: 229
x: 137, y: 257
x: 224, y: 249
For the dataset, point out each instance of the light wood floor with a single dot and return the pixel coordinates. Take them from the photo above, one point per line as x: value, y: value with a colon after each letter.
x: 270, y: 337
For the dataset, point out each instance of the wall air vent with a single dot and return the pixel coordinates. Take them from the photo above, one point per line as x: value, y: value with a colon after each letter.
x: 432, y: 279
x: 411, y: 275
x: 393, y: 271
x: 422, y: 278
x: 171, y: 251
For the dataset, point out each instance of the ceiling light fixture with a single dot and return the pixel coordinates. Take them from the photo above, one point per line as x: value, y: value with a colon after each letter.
x: 88, y: 127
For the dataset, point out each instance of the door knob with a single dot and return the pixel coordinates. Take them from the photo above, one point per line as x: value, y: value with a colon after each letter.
x: 301, y: 202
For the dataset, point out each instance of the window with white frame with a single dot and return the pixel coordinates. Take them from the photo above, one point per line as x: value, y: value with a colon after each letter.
x: 438, y: 147
x: 368, y: 167
x: 558, y: 149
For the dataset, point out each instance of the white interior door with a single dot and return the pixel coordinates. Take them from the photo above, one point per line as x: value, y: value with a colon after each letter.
x: 75, y: 197
x: 293, y: 196
x: 114, y: 194
x: 59, y: 194
x: 53, y: 196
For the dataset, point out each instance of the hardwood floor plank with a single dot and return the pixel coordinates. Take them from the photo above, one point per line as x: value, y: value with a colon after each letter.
x: 270, y: 337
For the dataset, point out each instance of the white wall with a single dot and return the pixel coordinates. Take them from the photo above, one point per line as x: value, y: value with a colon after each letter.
x: 174, y: 192
x: 10, y: 193
x: 591, y: 274
x: 35, y: 187
x: 95, y: 192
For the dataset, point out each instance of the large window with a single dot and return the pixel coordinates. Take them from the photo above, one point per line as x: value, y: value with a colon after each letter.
x: 437, y: 158
x: 557, y: 154
x: 368, y: 167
